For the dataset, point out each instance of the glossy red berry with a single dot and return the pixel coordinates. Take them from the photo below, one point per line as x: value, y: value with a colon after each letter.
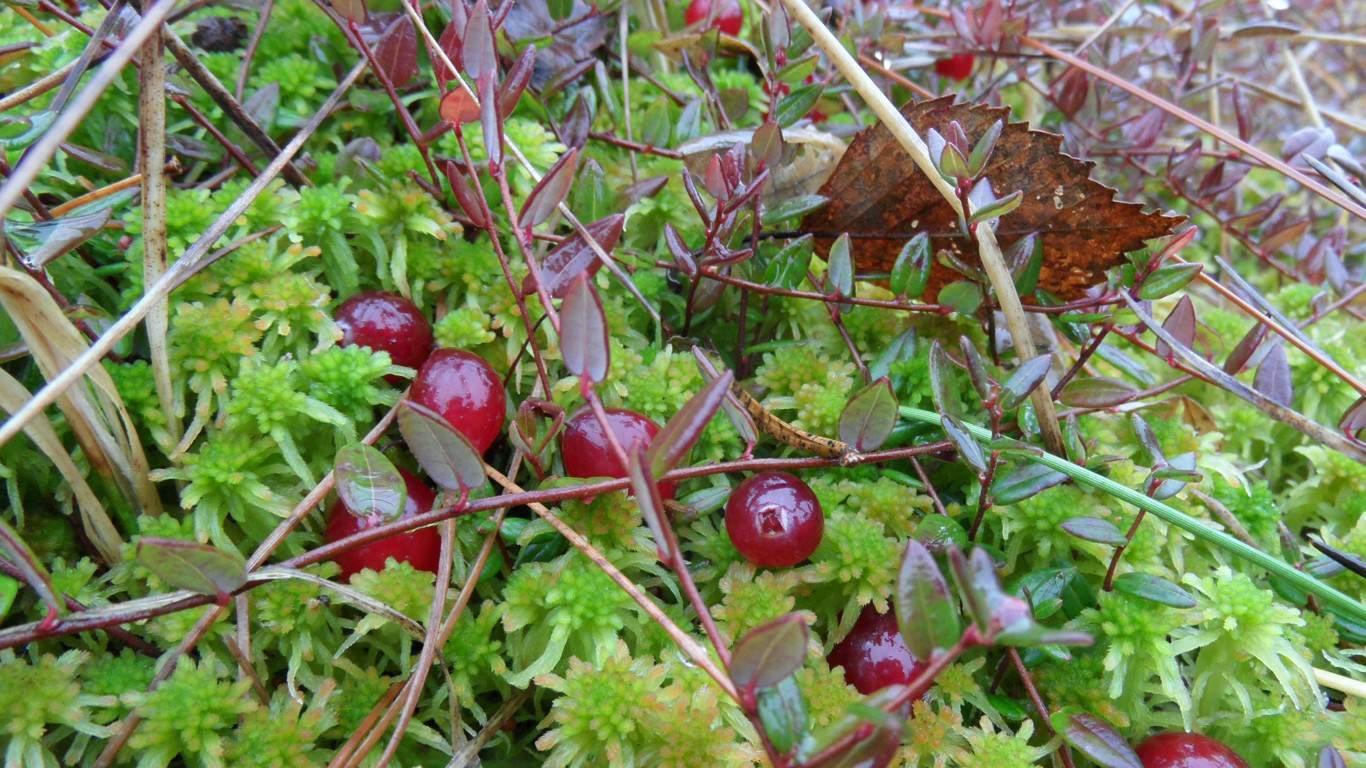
x: 774, y: 519
x: 1187, y: 750
x: 874, y: 655
x: 586, y: 452
x: 386, y: 322
x: 420, y: 548
x: 728, y: 19
x: 464, y: 389
x: 955, y: 67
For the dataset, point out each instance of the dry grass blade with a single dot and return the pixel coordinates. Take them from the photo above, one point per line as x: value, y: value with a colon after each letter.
x: 94, y: 519
x: 96, y: 413
x: 469, y: 753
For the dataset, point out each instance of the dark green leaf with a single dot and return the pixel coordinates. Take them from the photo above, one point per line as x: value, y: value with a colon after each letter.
x: 974, y: 601
x: 996, y: 208
x: 792, y: 208
x: 941, y: 380
x: 938, y: 533
x: 797, y: 104
x: 17, y: 551
x: 1094, y: 529
x: 968, y: 447
x: 1164, y: 281
x: 1023, y: 482
x: 925, y: 612
x: 1095, y: 738
x: 9, y: 589
x: 1027, y: 278
x: 901, y: 348
x: 190, y: 565
x: 445, y: 455
x: 1063, y: 587
x: 841, y: 270
x: 977, y: 368
x: 368, y: 483
x: 963, y: 296
x: 787, y: 269
x: 769, y: 653
x: 1029, y: 375
x: 981, y: 152
x: 782, y: 710
x: 1179, y: 471
x: 1097, y: 392
x: 911, y: 271
x: 869, y: 416
x: 1154, y: 588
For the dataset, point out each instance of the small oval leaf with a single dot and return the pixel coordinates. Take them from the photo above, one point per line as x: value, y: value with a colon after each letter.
x: 925, y: 611
x: 574, y: 256
x: 1095, y: 738
x: 769, y: 653
x: 1095, y: 529
x: 1029, y: 375
x: 1097, y: 392
x: 675, y: 440
x: 190, y: 565
x: 1164, y: 281
x: 1154, y: 588
x: 782, y: 710
x: 583, y: 332
x: 967, y: 445
x: 841, y: 270
x: 911, y: 270
x: 550, y: 191
x: 869, y: 416
x: 1023, y: 482
x: 445, y: 455
x: 368, y: 483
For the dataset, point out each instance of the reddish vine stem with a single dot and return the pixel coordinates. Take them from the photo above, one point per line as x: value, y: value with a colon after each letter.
x: 1032, y: 691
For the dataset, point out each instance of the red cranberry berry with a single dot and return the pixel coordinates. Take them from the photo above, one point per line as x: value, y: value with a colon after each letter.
x: 1186, y: 750
x: 386, y: 322
x: 586, y: 452
x: 774, y: 519
x: 874, y: 655
x: 728, y: 19
x: 420, y: 548
x: 955, y: 67
x: 463, y: 388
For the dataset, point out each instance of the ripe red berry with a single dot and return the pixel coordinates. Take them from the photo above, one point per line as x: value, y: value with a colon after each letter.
x: 774, y: 519
x: 460, y: 386
x: 1187, y: 750
x: 874, y: 655
x: 728, y: 19
x: 586, y: 452
x: 420, y: 548
x: 955, y: 67
x: 386, y: 322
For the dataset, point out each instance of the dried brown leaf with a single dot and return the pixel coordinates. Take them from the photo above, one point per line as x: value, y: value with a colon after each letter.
x: 880, y: 198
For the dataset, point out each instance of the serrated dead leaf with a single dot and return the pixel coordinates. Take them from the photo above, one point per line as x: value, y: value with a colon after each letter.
x: 882, y: 199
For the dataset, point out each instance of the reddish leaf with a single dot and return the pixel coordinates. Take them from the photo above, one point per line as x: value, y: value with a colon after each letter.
x: 467, y: 198
x: 550, y: 191
x: 446, y: 455
x: 769, y: 653
x: 1180, y: 324
x: 351, y: 10
x: 478, y: 55
x: 449, y: 42
x: 1069, y: 91
x: 583, y: 332
x: 1273, y: 376
x: 396, y: 53
x: 574, y: 127
x: 189, y: 565
x: 516, y: 81
x: 574, y: 257
x: 458, y: 107
x: 1096, y: 739
x: 574, y: 41
x: 1353, y: 422
x: 1238, y: 358
x: 651, y: 503
x: 674, y: 442
x: 882, y: 199
x: 488, y: 118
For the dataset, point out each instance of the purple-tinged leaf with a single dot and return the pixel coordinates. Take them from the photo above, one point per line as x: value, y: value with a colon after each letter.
x: 1097, y: 392
x: 1094, y: 529
x: 467, y: 198
x: 967, y: 445
x: 841, y: 267
x: 1290, y: 233
x: 351, y: 10
x: 550, y: 191
x: 458, y: 108
x: 1153, y: 588
x: 647, y: 495
x: 1069, y: 91
x: 1095, y: 738
x: 671, y: 446
x: 189, y: 565
x: 643, y: 189
x: 1353, y: 421
x: 1179, y: 471
x: 974, y: 602
x: 1029, y: 375
x: 477, y: 52
x: 911, y: 271
x: 368, y: 483
x: 1164, y: 281
x: 445, y: 455
x: 739, y: 417
x: 977, y: 368
x: 574, y: 256
x: 679, y: 250
x: 1258, y: 214
x: 396, y: 54
x: 1273, y: 376
x: 782, y: 710
x: 1147, y: 439
x: 985, y: 206
x: 516, y: 81
x: 17, y: 551
x: 1180, y: 324
x: 1331, y: 758
x: 575, y: 126
x: 770, y: 653
x: 869, y: 416
x: 583, y: 332
x: 1023, y: 482
x: 489, y: 120
x: 925, y: 611
x: 767, y: 144
x: 449, y: 43
x: 1241, y: 354
x: 941, y: 372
